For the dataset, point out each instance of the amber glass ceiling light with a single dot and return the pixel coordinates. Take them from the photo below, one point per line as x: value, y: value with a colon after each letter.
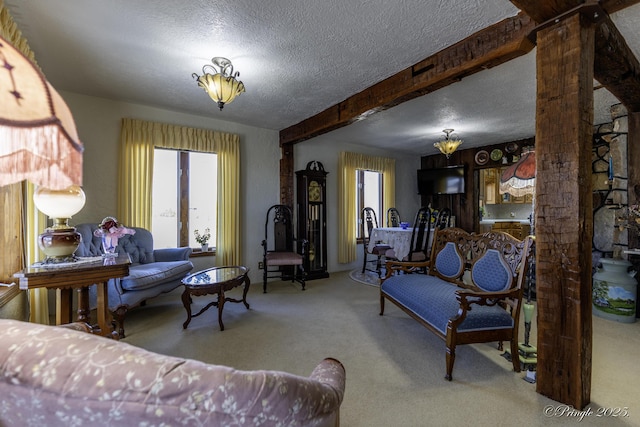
x: 448, y: 145
x: 219, y: 81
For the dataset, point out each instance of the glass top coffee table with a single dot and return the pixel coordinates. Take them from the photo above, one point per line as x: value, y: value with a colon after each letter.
x: 213, y: 281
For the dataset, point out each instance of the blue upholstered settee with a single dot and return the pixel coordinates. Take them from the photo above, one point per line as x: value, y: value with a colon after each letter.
x: 472, y: 292
x: 152, y: 271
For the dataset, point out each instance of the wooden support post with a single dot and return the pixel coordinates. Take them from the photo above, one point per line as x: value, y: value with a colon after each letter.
x: 564, y: 221
x: 286, y: 175
x: 633, y: 168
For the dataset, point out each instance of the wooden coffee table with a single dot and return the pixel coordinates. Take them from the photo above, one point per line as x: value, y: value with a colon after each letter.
x: 215, y: 280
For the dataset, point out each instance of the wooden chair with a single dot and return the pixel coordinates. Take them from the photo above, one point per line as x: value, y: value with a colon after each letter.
x: 393, y: 217
x: 419, y: 238
x: 443, y: 219
x: 369, y: 221
x: 283, y: 257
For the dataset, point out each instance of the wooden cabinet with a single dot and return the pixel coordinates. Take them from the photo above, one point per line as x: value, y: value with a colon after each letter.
x: 490, y: 189
x: 312, y: 217
x: 516, y: 229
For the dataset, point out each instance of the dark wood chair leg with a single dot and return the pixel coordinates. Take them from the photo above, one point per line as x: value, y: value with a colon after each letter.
x: 515, y: 355
x: 264, y: 279
x: 118, y: 317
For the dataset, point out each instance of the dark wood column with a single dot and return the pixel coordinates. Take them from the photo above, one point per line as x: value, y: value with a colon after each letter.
x: 286, y: 175
x: 564, y: 222
x: 633, y: 166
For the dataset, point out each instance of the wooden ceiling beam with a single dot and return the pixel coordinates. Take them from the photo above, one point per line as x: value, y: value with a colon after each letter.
x: 494, y: 45
x: 615, y: 65
x: 542, y: 11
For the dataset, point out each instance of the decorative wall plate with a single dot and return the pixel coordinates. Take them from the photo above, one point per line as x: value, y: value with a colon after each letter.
x: 482, y: 157
x: 511, y: 147
x: 496, y: 155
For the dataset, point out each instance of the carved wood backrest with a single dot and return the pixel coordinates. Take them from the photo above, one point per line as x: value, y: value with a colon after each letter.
x: 280, y: 218
x: 393, y: 217
x: 471, y: 247
x: 421, y: 231
x: 369, y: 222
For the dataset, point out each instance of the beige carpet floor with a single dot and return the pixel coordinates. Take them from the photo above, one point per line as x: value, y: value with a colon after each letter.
x: 395, y: 367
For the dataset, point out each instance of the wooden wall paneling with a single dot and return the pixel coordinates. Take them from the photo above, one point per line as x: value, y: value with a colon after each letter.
x: 564, y: 220
x: 11, y: 239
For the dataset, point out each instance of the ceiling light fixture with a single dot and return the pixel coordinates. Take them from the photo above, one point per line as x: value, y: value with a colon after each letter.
x: 447, y: 146
x: 220, y: 83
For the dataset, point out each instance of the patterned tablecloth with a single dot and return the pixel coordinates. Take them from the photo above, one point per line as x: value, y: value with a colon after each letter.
x: 398, y: 238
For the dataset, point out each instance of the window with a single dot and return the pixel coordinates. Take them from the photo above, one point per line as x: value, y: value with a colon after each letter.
x: 184, y: 197
x: 369, y: 193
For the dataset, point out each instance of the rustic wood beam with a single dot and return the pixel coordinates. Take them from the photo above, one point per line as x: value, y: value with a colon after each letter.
x: 612, y: 6
x: 487, y: 48
x: 564, y: 213
x: 542, y: 11
x: 286, y: 175
x: 615, y: 66
x: 633, y: 168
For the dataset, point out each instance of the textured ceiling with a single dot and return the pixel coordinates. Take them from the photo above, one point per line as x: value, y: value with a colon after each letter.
x: 295, y: 57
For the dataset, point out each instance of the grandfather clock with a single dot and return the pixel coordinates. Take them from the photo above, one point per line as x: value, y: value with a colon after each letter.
x: 312, y: 217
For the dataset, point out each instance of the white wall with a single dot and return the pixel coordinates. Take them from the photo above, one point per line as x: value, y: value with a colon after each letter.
x: 98, y: 121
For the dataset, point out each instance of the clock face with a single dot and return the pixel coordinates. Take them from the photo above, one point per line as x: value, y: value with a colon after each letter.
x: 315, y: 191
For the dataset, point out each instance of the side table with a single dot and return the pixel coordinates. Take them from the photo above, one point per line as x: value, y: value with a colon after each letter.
x: 79, y: 276
x: 214, y: 281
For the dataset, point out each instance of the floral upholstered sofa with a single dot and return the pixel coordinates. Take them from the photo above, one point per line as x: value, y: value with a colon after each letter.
x: 54, y: 376
x: 152, y: 271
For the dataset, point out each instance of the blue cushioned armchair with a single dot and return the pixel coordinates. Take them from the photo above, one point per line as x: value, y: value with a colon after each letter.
x: 152, y: 271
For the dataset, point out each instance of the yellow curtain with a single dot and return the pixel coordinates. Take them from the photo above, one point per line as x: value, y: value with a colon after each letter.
x: 138, y: 139
x: 33, y: 221
x: 348, y: 163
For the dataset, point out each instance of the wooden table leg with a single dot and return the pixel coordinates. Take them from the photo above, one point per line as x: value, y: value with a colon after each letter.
x: 84, y: 311
x: 220, y: 307
x: 64, y: 306
x: 103, y: 314
x: 247, y: 283
x: 186, y: 301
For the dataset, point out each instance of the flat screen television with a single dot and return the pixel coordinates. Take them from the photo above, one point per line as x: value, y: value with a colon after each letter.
x: 449, y: 180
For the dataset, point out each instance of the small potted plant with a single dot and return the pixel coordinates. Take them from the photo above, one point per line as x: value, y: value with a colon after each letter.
x: 203, y: 238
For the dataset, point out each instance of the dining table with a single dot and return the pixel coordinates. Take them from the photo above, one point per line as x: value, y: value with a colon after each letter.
x: 397, y: 237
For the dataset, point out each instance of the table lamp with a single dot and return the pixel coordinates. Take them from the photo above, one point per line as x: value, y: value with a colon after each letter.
x: 59, y: 241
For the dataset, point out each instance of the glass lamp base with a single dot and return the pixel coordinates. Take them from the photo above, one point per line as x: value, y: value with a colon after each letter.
x: 59, y: 245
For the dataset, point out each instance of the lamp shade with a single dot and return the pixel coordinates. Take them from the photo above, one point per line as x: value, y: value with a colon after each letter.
x: 38, y: 137
x: 59, y: 203
x: 519, y: 178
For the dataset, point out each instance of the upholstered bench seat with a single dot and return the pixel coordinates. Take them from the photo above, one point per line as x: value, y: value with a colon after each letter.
x: 472, y: 292
x: 434, y: 301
